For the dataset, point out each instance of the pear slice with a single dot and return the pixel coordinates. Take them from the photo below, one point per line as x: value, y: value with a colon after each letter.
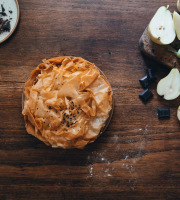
x: 161, y: 28
x: 178, y: 5
x: 178, y: 113
x: 176, y: 20
x: 170, y: 85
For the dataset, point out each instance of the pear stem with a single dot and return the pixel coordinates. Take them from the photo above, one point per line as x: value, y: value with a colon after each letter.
x: 172, y: 51
x: 167, y: 7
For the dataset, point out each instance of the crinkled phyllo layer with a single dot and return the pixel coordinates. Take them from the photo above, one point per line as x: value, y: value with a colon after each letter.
x: 67, y: 102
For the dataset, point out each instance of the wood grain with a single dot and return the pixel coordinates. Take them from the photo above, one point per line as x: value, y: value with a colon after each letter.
x: 138, y: 157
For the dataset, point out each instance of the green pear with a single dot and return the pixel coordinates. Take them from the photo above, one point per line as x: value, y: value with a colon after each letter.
x: 178, y: 5
x: 178, y: 113
x: 161, y: 28
x: 176, y: 20
x: 169, y: 87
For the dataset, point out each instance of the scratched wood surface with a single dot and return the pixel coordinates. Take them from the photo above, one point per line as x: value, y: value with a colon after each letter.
x: 138, y: 157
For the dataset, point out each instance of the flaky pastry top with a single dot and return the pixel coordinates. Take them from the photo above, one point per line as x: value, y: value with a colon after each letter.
x: 67, y: 102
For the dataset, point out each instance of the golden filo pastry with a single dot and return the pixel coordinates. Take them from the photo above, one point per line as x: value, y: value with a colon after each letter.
x: 67, y: 102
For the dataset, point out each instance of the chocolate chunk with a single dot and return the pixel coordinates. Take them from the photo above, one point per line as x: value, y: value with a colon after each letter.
x: 144, y: 82
x: 2, y: 7
x: 6, y: 26
x: 151, y: 74
x: 1, y: 21
x: 163, y: 113
x: 146, y: 95
x: 3, y: 13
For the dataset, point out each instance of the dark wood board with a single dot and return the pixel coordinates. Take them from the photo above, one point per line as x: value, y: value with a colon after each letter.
x: 138, y: 157
x: 158, y: 52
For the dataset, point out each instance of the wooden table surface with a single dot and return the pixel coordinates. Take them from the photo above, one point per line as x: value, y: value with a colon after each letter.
x: 138, y: 156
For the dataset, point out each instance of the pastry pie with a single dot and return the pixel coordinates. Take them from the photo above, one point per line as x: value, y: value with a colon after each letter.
x: 67, y: 102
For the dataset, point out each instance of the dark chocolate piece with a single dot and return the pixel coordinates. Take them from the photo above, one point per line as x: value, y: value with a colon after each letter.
x: 1, y: 21
x: 144, y: 82
x: 163, y: 113
x: 6, y: 26
x: 146, y: 95
x: 151, y: 74
x: 2, y: 7
x: 3, y: 13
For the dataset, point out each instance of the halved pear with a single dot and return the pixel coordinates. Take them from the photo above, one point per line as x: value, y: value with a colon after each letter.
x: 161, y: 28
x: 178, y: 5
x: 178, y: 113
x: 170, y: 85
x: 176, y: 20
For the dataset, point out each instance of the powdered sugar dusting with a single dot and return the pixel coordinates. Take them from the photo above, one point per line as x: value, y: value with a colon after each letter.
x: 101, y: 165
x: 91, y: 170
